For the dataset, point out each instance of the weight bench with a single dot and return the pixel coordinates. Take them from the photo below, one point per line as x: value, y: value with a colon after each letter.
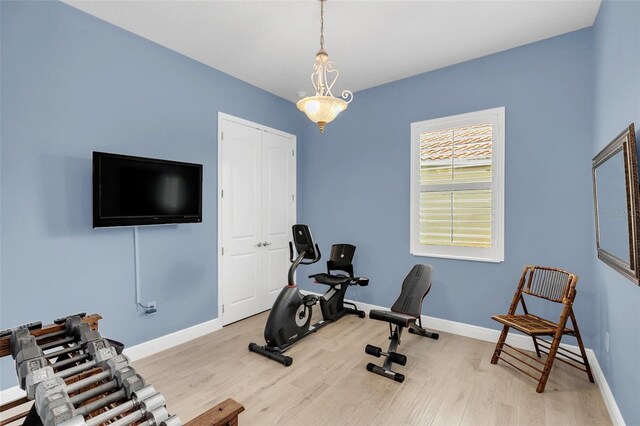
x: 405, y: 313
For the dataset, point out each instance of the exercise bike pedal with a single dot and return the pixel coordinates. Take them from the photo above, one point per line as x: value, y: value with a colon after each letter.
x: 397, y: 358
x: 373, y: 350
x: 310, y: 300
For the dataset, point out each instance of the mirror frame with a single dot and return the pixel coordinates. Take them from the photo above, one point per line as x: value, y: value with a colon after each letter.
x: 625, y: 142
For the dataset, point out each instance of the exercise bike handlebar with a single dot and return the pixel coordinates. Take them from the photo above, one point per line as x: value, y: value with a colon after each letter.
x: 302, y: 256
x: 314, y: 260
x: 300, y: 261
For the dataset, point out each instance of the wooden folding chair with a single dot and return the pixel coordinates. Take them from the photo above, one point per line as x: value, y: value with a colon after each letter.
x: 556, y: 286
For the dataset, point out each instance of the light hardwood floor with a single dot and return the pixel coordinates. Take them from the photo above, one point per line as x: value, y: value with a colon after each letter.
x: 448, y: 381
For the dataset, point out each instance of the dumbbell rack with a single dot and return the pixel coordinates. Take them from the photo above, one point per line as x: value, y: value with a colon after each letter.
x: 84, y: 387
x: 25, y: 403
x: 225, y: 413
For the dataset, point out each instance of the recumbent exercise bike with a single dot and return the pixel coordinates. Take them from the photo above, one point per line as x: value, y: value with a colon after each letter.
x: 290, y: 316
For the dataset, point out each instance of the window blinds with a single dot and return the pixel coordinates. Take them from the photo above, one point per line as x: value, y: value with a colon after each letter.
x: 455, y: 186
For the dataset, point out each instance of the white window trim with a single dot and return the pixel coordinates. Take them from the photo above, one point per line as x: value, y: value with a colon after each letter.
x: 496, y: 252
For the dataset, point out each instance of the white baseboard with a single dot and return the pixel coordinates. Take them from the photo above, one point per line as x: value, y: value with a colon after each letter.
x: 167, y: 341
x: 517, y: 340
x: 607, y: 395
x: 141, y: 350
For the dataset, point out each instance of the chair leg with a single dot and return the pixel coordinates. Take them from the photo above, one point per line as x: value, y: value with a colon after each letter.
x: 581, y: 345
x: 500, y: 344
x: 535, y: 345
x: 553, y: 350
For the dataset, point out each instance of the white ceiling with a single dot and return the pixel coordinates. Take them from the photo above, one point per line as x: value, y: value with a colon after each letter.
x: 272, y: 44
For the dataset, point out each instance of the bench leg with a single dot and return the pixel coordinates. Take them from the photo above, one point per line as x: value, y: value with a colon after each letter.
x: 385, y: 369
x: 416, y: 329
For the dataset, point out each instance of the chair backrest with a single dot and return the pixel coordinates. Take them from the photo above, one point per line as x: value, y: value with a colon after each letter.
x: 341, y: 258
x: 414, y: 289
x: 552, y: 284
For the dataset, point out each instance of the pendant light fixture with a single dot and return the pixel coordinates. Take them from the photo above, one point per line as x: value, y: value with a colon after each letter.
x: 323, y: 108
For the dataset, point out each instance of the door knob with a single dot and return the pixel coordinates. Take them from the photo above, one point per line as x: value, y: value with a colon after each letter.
x: 266, y: 244
x: 260, y: 244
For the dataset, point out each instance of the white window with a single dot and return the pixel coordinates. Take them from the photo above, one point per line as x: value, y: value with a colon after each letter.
x: 457, y: 186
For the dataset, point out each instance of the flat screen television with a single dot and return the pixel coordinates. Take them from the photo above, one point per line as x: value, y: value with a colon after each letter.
x: 132, y: 191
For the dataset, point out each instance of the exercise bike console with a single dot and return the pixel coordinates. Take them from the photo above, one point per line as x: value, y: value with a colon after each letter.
x: 290, y: 316
x: 305, y: 246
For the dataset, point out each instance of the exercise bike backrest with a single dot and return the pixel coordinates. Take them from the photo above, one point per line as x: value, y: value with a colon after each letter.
x: 341, y: 258
x: 308, y: 251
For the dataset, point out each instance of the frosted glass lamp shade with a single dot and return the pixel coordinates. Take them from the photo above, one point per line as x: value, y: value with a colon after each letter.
x: 321, y: 109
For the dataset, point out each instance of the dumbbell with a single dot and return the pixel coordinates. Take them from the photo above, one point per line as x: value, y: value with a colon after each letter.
x: 171, y: 421
x: 31, y: 326
x: 76, y: 331
x: 57, y: 384
x: 22, y: 334
x: 88, y: 348
x: 152, y: 409
x: 56, y: 406
x: 107, y: 358
x: 61, y: 409
x: 146, y: 397
x: 60, y: 321
x: 393, y: 357
x: 31, y: 356
x: 85, y: 339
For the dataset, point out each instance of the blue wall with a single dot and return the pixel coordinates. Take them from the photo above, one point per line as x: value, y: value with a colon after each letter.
x: 617, y: 103
x: 72, y: 84
x: 354, y: 182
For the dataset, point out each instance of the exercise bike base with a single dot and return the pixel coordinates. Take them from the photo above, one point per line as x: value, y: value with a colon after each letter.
x: 271, y: 354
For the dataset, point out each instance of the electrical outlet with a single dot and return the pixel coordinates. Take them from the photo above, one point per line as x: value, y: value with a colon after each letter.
x: 151, y: 308
x: 606, y: 341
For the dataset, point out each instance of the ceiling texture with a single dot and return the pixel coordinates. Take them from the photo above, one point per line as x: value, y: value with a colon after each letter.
x: 272, y: 44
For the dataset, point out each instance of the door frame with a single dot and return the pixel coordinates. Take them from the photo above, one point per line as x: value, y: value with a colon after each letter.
x: 222, y: 117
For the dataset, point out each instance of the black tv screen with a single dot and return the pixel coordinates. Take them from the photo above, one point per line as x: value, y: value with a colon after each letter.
x: 131, y: 191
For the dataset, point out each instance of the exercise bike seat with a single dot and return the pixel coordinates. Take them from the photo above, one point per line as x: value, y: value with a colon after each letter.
x: 340, y: 260
x: 331, y: 280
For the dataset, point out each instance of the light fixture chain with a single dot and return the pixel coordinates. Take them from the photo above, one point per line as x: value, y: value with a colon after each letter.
x: 323, y: 108
x: 322, y: 24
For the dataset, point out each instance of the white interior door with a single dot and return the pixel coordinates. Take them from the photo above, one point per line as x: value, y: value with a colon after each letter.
x: 241, y: 221
x: 257, y: 181
x: 278, y: 168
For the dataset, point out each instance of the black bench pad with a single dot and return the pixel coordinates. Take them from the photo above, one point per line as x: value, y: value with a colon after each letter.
x: 396, y: 318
